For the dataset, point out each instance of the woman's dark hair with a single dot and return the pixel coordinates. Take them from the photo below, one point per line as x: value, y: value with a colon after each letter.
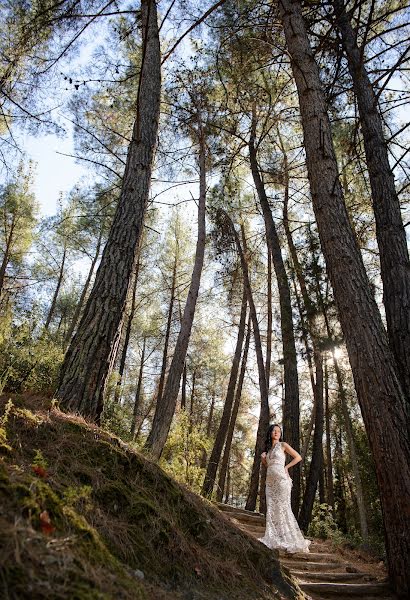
x: 268, y: 441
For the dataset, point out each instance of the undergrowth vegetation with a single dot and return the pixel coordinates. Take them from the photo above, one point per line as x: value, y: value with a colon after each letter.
x: 85, y: 516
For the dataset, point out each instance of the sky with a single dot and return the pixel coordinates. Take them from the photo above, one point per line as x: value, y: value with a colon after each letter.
x: 54, y: 174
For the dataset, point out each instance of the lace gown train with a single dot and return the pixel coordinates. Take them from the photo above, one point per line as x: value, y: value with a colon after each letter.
x: 282, y: 531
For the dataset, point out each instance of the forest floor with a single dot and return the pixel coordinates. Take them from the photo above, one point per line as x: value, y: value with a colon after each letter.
x: 82, y: 516
x: 327, y: 571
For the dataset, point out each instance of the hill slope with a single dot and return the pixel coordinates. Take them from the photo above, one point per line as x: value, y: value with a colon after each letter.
x: 84, y: 517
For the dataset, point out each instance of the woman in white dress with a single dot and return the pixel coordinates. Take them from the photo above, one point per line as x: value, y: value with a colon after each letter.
x: 282, y: 531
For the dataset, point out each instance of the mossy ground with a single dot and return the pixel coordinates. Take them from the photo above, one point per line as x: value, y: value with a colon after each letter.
x: 119, y: 527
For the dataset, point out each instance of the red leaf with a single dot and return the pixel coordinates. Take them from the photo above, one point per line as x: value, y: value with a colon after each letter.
x: 45, y: 523
x: 39, y: 471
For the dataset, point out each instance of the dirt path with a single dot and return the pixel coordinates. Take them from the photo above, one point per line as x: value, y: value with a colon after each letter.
x: 323, y: 573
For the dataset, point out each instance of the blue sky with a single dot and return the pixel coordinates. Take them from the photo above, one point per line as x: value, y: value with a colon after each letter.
x: 53, y: 173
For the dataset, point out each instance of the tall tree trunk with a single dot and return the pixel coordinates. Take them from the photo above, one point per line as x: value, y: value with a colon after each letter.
x: 329, y: 465
x: 228, y: 484
x: 339, y: 489
x: 168, y: 332
x: 221, y: 434
x: 165, y: 409
x: 390, y: 232
x: 137, y: 400
x: 316, y: 465
x: 84, y: 293
x: 235, y: 409
x: 380, y: 394
x: 183, y: 390
x: 290, y: 418
x: 364, y: 530
x: 87, y: 362
x: 204, y: 456
x: 308, y: 351
x: 264, y: 412
x: 192, y: 402
x: 7, y: 252
x: 262, y: 484
x: 127, y: 336
x: 56, y: 291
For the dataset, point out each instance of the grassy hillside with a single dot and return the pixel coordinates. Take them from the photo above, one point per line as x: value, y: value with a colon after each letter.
x: 84, y: 517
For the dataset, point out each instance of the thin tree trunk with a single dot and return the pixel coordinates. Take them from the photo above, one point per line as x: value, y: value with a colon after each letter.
x: 264, y: 412
x: 380, y: 395
x: 235, y: 409
x: 168, y: 332
x: 85, y: 289
x: 192, y: 402
x: 329, y: 465
x: 183, y: 390
x: 56, y: 291
x: 166, y: 408
x: 204, y: 456
x: 308, y: 351
x: 262, y: 485
x: 390, y: 232
x: 340, y: 500
x: 87, y: 362
x: 137, y: 400
x: 364, y: 530
x: 127, y: 334
x: 316, y: 465
x: 6, y: 257
x: 211, y: 411
x: 221, y: 434
x: 290, y: 417
x: 228, y: 485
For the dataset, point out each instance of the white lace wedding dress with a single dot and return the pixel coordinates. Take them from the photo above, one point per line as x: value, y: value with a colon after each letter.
x: 282, y: 531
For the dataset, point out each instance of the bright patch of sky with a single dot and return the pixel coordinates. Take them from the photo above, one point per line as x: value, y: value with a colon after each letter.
x: 54, y: 174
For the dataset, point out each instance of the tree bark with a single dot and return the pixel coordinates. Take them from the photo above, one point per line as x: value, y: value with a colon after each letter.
x: 291, y: 432
x: 235, y: 409
x: 329, y: 464
x: 165, y: 409
x: 84, y: 292
x: 127, y: 336
x: 168, y: 331
x: 378, y: 387
x: 264, y: 412
x: 7, y: 252
x: 390, y: 232
x: 87, y: 362
x: 316, y: 465
x: 221, y: 434
x: 137, y: 400
x: 56, y: 291
x: 183, y: 390
x: 364, y: 530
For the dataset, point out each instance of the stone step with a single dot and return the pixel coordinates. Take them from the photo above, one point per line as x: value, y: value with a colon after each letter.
x: 346, y: 589
x: 307, y: 576
x: 313, y: 566
x: 252, y: 527
x: 311, y: 557
x: 238, y: 511
x: 245, y: 518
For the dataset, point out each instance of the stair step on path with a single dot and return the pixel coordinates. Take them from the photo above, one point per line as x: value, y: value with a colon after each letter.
x: 346, y: 589
x: 321, y: 575
x: 245, y: 518
x: 311, y: 556
x: 314, y: 566
x: 332, y: 577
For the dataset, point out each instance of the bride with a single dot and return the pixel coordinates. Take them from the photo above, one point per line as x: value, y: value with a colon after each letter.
x: 282, y: 531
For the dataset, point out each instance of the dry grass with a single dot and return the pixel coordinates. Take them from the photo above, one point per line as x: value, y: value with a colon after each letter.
x: 114, y: 515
